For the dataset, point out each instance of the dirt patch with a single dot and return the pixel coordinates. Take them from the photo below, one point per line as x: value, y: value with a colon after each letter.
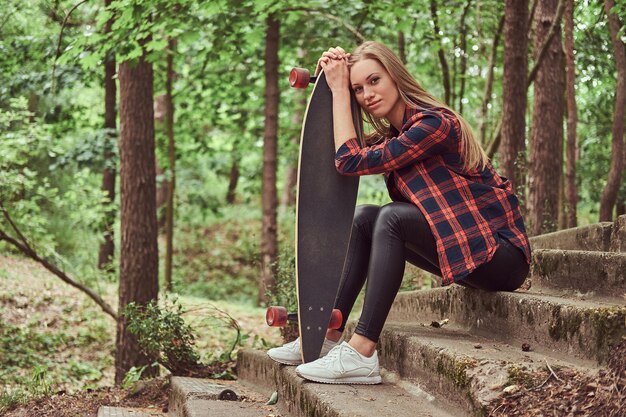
x: 152, y: 394
x: 569, y: 393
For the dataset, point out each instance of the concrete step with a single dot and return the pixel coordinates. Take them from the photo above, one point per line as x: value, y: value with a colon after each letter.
x: 306, y: 399
x: 128, y: 412
x: 600, y: 273
x: 594, y: 237
x: 467, y: 369
x: 195, y: 397
x: 584, y: 329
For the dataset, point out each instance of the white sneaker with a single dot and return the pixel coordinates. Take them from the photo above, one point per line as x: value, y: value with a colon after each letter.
x: 289, y: 353
x: 342, y: 365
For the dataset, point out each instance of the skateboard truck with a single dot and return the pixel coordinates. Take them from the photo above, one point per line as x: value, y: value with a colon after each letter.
x: 300, y: 78
x: 277, y: 316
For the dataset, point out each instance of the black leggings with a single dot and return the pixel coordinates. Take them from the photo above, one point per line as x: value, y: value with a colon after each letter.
x: 383, y: 238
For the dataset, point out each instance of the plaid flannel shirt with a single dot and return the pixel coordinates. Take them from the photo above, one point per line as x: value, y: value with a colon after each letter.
x: 468, y: 211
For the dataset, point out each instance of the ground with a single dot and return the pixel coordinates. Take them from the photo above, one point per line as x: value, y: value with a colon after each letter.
x: 566, y: 393
x: 56, y: 344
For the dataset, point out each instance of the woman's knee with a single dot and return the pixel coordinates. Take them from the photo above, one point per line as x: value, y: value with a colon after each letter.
x: 365, y: 215
x: 398, y: 217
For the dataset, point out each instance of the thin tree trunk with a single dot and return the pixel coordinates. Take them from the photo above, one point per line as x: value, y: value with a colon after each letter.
x: 445, y: 71
x: 463, y: 68
x: 609, y: 195
x: 571, y: 192
x: 546, y: 157
x: 269, y: 245
x: 513, y: 151
x: 139, y: 253
x: 107, y: 247
x: 233, y: 179
x: 402, y: 47
x: 484, y: 108
x: 171, y: 152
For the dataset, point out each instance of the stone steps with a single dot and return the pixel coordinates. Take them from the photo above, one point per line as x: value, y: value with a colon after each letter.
x: 599, y: 273
x: 584, y: 329
x: 195, y: 397
x: 468, y: 369
x: 305, y: 399
x: 595, y: 237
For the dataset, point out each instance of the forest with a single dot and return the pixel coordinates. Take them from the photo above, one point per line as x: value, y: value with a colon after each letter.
x: 148, y: 148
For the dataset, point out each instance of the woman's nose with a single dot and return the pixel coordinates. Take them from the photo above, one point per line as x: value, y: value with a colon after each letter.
x: 368, y: 92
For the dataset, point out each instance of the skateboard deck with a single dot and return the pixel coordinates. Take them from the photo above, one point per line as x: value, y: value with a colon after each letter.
x: 325, y: 206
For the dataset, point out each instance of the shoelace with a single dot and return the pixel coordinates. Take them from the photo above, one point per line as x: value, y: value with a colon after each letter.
x: 335, y: 352
x: 291, y: 345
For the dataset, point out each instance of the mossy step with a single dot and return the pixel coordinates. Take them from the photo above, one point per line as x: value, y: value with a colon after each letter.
x: 468, y: 369
x: 310, y: 399
x: 594, y: 237
x: 585, y: 329
x: 600, y: 273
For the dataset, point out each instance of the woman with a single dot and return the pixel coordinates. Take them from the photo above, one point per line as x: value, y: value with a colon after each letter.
x: 451, y: 214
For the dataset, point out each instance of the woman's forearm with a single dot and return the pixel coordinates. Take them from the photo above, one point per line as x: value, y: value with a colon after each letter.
x: 343, y: 126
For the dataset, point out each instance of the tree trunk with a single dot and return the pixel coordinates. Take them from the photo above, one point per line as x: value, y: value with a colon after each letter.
x: 269, y: 245
x: 233, y: 180
x: 546, y: 157
x: 609, y: 195
x: 402, y: 47
x: 571, y: 193
x: 171, y: 152
x: 139, y: 253
x: 513, y: 140
x: 107, y: 247
x: 445, y: 71
x: 484, y: 108
x: 463, y: 47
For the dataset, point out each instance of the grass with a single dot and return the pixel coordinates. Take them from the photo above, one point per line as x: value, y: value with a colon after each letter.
x: 53, y: 338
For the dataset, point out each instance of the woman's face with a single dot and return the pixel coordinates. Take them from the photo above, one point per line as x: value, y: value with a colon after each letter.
x: 375, y: 91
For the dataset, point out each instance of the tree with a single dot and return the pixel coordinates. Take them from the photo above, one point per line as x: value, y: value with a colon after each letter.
x: 546, y: 157
x: 571, y: 193
x: 512, y: 153
x: 269, y: 245
x: 107, y: 248
x: 609, y: 195
x: 139, y: 252
x: 171, y: 151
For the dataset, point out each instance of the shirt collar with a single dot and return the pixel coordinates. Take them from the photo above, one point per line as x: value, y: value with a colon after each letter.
x: 409, y: 112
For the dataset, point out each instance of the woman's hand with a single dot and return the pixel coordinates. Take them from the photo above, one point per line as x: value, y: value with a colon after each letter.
x: 334, y: 62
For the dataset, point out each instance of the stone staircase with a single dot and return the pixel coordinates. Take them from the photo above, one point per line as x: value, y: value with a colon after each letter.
x: 450, y: 351
x: 482, y: 343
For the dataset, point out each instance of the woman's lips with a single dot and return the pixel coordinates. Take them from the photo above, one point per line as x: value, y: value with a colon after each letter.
x: 374, y: 104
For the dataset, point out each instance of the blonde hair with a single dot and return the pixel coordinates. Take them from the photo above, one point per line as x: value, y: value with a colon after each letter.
x: 415, y: 96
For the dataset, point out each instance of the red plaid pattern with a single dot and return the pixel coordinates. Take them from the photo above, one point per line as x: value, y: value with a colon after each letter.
x: 467, y: 211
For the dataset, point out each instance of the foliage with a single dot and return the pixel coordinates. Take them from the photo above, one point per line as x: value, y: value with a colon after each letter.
x: 163, y: 335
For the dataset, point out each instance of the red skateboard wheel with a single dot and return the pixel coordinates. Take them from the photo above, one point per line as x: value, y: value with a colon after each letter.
x: 299, y: 77
x: 336, y: 319
x: 276, y: 316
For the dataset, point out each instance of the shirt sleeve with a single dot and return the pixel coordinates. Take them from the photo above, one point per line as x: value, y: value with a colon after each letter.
x: 429, y: 135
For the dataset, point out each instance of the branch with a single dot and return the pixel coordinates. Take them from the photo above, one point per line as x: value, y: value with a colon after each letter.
x: 58, y: 53
x: 28, y: 251
x: 358, y: 35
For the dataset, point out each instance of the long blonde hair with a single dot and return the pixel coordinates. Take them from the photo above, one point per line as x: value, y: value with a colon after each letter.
x: 415, y: 96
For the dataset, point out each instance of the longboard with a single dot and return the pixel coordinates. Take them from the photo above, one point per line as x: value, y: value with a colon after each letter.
x: 325, y: 206
x: 325, y: 203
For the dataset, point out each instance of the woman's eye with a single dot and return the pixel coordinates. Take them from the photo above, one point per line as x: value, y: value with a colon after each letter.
x: 375, y: 80
x: 357, y: 89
